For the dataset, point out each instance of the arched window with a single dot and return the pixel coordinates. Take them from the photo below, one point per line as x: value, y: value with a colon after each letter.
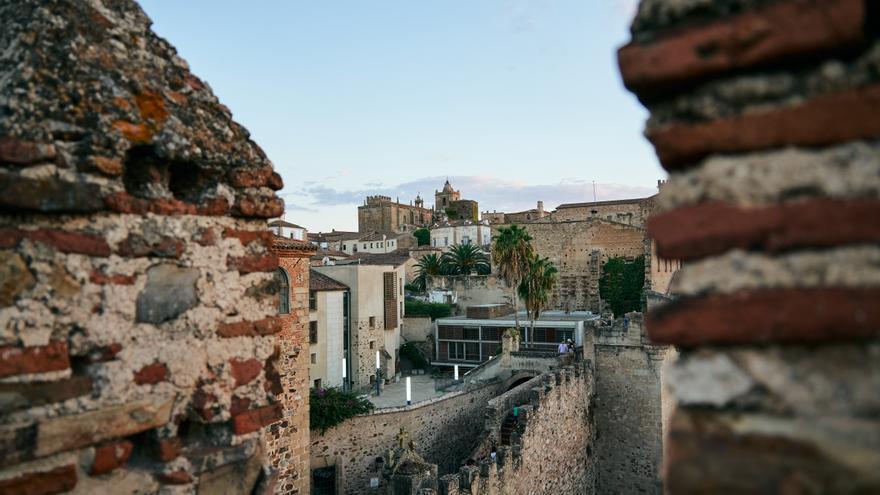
x: 283, y: 291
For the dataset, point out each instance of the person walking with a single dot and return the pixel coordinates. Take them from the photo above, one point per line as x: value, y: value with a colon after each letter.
x: 563, y: 348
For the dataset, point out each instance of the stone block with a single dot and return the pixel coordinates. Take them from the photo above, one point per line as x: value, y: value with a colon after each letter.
x: 15, y: 278
x: 169, y: 292
x: 24, y: 395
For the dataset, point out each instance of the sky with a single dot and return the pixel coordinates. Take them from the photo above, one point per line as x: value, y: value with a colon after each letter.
x: 514, y: 101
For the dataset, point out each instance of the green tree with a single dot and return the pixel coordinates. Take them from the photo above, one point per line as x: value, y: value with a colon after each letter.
x: 465, y: 259
x: 511, y: 251
x: 621, y: 284
x: 536, y: 286
x: 423, y: 236
x: 428, y: 265
x: 330, y: 406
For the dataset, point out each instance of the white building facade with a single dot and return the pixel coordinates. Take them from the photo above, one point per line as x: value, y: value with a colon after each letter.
x: 328, y: 330
x: 466, y: 232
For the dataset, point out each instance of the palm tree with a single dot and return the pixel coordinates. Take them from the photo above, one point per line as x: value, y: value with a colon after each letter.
x: 464, y: 259
x: 428, y: 265
x: 536, y: 286
x: 511, y: 252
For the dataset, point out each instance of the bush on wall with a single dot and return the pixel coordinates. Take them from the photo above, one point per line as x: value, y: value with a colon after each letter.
x: 330, y: 406
x: 621, y: 284
x: 421, y: 308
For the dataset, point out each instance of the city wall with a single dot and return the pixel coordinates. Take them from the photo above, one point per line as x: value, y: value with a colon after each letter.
x: 550, y: 449
x: 444, y: 430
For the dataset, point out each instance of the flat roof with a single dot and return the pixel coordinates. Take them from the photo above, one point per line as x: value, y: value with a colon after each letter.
x: 557, y: 318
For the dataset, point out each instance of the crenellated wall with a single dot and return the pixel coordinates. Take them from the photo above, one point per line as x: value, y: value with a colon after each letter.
x: 765, y: 115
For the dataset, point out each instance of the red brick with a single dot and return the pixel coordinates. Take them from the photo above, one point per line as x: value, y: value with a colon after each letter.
x: 254, y: 419
x: 251, y: 264
x: 203, y: 402
x: 259, y: 206
x: 136, y: 133
x: 213, y: 207
x: 38, y: 359
x: 105, y: 353
x: 135, y: 246
x: 205, y: 237
x: 239, y: 405
x: 10, y: 237
x: 773, y: 34
x: 19, y: 152
x: 109, y: 166
x: 275, y: 181
x: 245, y: 371
x: 111, y: 456
x: 267, y: 326
x: 823, y: 120
x: 59, y: 480
x: 250, y: 177
x: 71, y: 242
x: 168, y: 449
x: 151, y: 374
x: 175, y: 478
x: 151, y: 106
x: 125, y: 203
x: 696, y: 231
x: 246, y: 237
x: 771, y: 315
x: 100, y: 278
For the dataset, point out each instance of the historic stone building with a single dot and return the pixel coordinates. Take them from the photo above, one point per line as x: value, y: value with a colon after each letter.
x: 500, y: 217
x: 381, y: 214
x: 448, y: 205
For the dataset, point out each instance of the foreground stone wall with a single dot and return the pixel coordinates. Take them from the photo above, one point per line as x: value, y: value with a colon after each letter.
x: 137, y: 302
x: 444, y: 431
x: 765, y: 115
x: 551, y: 448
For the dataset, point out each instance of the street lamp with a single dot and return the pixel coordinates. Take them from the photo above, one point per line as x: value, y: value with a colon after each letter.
x: 408, y: 392
x: 455, y: 375
x: 344, y: 373
x: 378, y: 374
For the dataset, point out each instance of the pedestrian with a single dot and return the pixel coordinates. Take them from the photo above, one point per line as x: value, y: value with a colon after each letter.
x: 563, y: 348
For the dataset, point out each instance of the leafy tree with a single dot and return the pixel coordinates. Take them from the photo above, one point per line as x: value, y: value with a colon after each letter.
x: 451, y: 213
x: 429, y: 265
x: 330, y: 406
x: 423, y: 236
x: 421, y: 308
x: 621, y: 284
x: 536, y: 286
x: 511, y: 252
x: 465, y: 259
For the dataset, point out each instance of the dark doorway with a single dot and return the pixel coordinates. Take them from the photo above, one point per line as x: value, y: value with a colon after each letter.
x: 324, y: 481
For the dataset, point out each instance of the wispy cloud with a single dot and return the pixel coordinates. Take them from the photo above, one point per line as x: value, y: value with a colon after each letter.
x: 493, y: 193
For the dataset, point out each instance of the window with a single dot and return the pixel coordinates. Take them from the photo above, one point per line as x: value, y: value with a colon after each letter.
x: 372, y: 324
x: 313, y: 300
x: 445, y: 241
x: 318, y: 383
x: 314, y: 358
x: 313, y: 332
x: 390, y: 299
x: 372, y: 343
x: 283, y: 291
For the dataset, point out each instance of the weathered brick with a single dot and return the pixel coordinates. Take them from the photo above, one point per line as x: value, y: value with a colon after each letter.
x: 175, y: 478
x: 26, y: 395
x: 244, y: 371
x: 205, y: 237
x: 259, y: 206
x: 18, y: 152
x: 254, y: 419
x: 239, y: 405
x: 204, y: 403
x: 100, y: 278
x: 266, y: 326
x: 138, y: 246
x: 59, y: 480
x: 111, y: 456
x: 250, y: 177
x: 126, y: 203
x: 48, y: 194
x: 853, y: 112
x: 151, y: 374
x: 38, y: 359
x: 697, y: 231
x: 251, y: 264
x: 264, y: 237
x: 773, y: 34
x: 71, y: 242
x: 275, y: 181
x: 109, y: 166
x: 772, y: 315
x: 168, y: 449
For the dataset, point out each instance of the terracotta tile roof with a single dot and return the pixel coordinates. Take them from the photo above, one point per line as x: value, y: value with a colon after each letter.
x: 605, y: 203
x: 319, y: 281
x: 394, y: 258
x: 321, y: 252
x: 284, y: 223
x: 283, y: 244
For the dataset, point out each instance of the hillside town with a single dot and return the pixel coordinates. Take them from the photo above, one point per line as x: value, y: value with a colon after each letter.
x: 168, y: 326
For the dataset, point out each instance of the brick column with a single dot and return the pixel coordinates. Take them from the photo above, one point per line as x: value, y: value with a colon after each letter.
x: 767, y: 117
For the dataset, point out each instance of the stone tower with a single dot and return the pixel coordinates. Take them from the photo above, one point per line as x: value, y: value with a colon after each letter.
x: 443, y: 199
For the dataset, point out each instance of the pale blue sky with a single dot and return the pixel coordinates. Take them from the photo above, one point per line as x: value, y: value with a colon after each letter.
x: 514, y: 101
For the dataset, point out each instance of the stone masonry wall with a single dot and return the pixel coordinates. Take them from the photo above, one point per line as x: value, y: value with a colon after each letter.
x: 569, y: 244
x: 444, y: 430
x: 138, y: 310
x: 765, y: 115
x: 628, y: 407
x: 551, y: 447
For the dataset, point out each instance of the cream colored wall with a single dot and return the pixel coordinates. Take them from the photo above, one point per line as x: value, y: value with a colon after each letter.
x: 329, y: 349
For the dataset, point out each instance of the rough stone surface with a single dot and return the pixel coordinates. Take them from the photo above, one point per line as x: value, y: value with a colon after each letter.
x: 170, y: 291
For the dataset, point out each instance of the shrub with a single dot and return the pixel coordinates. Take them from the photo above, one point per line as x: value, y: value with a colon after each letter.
x: 330, y: 406
x: 434, y: 310
x: 621, y: 284
x: 423, y: 236
x: 412, y: 353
